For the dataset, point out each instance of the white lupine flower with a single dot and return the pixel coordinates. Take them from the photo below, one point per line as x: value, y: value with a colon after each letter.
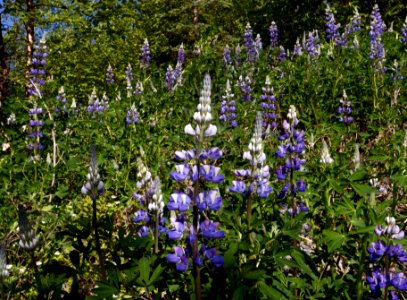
x: 325, y: 156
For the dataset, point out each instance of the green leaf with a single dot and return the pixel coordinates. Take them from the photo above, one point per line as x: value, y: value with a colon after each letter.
x: 144, y: 268
x: 362, y: 189
x: 239, y: 293
x: 360, y: 174
x: 255, y: 275
x: 270, y: 292
x: 103, y: 290
x: 299, y: 259
x: 334, y: 239
x: 156, y: 274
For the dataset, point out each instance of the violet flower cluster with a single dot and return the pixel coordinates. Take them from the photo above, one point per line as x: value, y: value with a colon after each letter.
x: 61, y: 108
x: 180, y: 62
x: 245, y: 88
x: 109, y: 74
x: 269, y: 106
x: 194, y: 173
x: 255, y: 179
x: 228, y: 107
x: 291, y: 149
x: 355, y: 23
x: 227, y: 59
x: 387, y: 258
x: 132, y: 116
x: 395, y: 72
x: 150, y: 216
x: 37, y: 72
x: 249, y: 44
x: 35, y: 134
x: 345, y: 109
x: 145, y: 55
x: 96, y: 107
x: 332, y: 29
x: 273, y: 30
x: 282, y: 56
x: 377, y: 28
x: 404, y: 32
x: 170, y: 79
x: 310, y: 44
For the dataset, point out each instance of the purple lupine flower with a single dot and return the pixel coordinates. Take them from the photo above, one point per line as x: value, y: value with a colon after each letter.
x: 132, y: 116
x: 404, y: 32
x: 228, y: 107
x: 297, y: 51
x: 249, y: 44
x: 269, y: 106
x: 179, y: 258
x: 37, y: 73
x: 255, y: 179
x: 195, y: 168
x: 227, y: 59
x: 35, y: 134
x: 61, y: 108
x: 95, y: 107
x: 395, y: 72
x: 282, y: 55
x: 129, y: 79
x: 345, y: 109
x: 170, y: 79
x: 310, y: 44
x: 210, y: 230
x: 245, y: 88
x: 145, y: 55
x: 332, y: 28
x: 292, y: 147
x: 377, y: 251
x: 109, y: 75
x: 181, y: 55
x: 376, y: 280
x: 273, y: 30
x: 399, y: 281
x: 355, y: 22
x: 377, y: 28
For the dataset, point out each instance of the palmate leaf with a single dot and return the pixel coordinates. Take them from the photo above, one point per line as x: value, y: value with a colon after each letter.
x: 103, y: 290
x: 334, y: 240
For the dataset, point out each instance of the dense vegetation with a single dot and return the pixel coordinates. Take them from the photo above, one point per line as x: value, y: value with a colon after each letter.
x: 160, y: 151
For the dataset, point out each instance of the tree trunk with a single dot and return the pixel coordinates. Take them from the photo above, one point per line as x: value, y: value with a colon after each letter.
x: 4, y: 68
x: 29, y: 28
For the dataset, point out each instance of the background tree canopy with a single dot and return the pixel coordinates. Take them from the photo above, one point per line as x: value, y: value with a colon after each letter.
x: 85, y: 35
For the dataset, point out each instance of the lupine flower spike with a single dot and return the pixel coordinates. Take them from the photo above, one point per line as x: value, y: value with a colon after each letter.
x: 132, y: 116
x: 345, y: 109
x: 291, y: 148
x: 195, y: 172
x: 269, y: 106
x: 28, y: 240
x: 253, y: 181
x: 170, y: 79
x: 145, y: 55
x: 273, y: 30
x: 228, y: 107
x: 377, y: 28
x: 249, y: 44
x: 37, y: 71
x: 404, y: 32
x: 35, y: 135
x: 387, y: 259
x: 227, y: 59
x: 325, y: 155
x: 245, y: 88
x: 109, y: 75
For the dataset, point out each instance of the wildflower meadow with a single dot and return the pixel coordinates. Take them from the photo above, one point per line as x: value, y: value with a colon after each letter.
x: 256, y: 165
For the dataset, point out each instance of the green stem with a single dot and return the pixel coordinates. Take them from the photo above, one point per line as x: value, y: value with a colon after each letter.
x: 37, y: 276
x: 97, y: 239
